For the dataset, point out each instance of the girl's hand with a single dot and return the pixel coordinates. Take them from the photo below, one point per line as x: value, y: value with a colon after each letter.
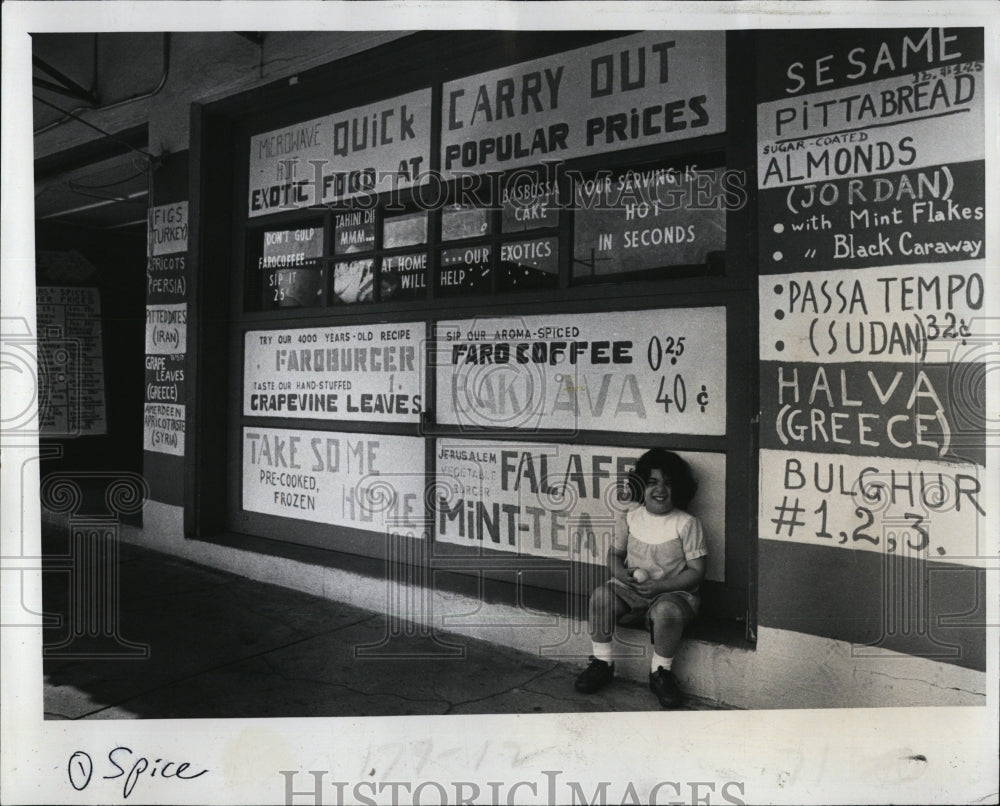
x: 629, y: 577
x: 650, y: 588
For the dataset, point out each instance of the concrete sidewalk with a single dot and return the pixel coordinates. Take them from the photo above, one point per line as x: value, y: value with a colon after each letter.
x: 213, y: 644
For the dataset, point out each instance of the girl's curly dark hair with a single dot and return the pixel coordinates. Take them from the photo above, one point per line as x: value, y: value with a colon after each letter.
x: 683, y: 484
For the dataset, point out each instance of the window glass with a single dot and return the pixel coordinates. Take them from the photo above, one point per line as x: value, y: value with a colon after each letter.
x: 403, y: 276
x: 286, y: 268
x: 294, y: 288
x: 289, y: 248
x: 353, y: 231
x: 648, y: 220
x: 465, y: 221
x: 464, y: 271
x: 404, y: 229
x: 354, y: 281
x: 529, y: 204
x: 529, y: 264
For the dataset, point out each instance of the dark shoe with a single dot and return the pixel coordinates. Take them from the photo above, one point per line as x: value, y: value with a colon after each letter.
x: 595, y: 676
x: 664, y: 685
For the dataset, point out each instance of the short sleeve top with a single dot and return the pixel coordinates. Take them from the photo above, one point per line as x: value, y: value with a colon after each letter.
x: 662, y: 545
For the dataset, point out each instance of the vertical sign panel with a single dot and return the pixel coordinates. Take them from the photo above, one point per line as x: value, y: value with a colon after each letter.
x: 166, y: 329
x: 872, y: 329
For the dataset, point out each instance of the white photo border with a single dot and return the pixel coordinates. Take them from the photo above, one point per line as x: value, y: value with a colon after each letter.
x: 806, y: 756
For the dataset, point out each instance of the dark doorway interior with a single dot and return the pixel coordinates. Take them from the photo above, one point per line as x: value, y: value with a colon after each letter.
x: 116, y: 251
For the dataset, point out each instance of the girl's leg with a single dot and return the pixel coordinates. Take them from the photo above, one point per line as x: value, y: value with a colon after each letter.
x: 667, y: 619
x: 605, y: 610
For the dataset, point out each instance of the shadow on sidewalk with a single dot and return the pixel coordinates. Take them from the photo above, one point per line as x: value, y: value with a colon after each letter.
x: 192, y: 642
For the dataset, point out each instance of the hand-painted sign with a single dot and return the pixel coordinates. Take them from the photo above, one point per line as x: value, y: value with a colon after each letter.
x: 924, y: 508
x: 465, y: 270
x: 556, y: 501
x: 529, y: 203
x: 638, y: 220
x: 658, y: 371
x: 167, y: 229
x: 403, y: 276
x: 871, y: 149
x: 529, y: 264
x: 872, y: 205
x: 836, y: 103
x: 290, y: 248
x: 366, y: 481
x: 165, y: 378
x: 166, y: 279
x: 370, y: 373
x: 369, y: 149
x: 71, y: 397
x: 903, y: 314
x: 164, y: 412
x: 166, y: 329
x: 905, y: 122
x: 163, y: 427
x: 354, y: 231
x: 652, y: 87
x: 926, y: 215
x: 901, y: 410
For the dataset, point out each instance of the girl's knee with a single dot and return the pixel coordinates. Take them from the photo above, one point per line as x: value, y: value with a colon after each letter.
x: 605, y: 605
x: 599, y: 600
x: 666, y: 612
x: 600, y: 592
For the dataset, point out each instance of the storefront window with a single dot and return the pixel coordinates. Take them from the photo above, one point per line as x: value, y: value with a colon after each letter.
x: 529, y: 264
x: 663, y: 222
x: 295, y: 288
x: 464, y: 271
x: 477, y: 283
x: 529, y: 204
x: 287, y: 269
x: 459, y: 221
x: 353, y: 231
x: 404, y: 229
x: 354, y: 281
x: 403, y: 277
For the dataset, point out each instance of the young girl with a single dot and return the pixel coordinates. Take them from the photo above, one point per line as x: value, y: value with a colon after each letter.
x: 657, y: 561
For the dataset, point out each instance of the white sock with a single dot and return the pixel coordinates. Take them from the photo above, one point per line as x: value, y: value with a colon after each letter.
x: 602, y: 651
x: 658, y: 661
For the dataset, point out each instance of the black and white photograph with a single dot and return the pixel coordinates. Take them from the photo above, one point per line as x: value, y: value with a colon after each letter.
x: 500, y: 403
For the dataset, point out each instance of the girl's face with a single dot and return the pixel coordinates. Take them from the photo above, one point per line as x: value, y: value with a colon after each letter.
x: 658, y: 499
